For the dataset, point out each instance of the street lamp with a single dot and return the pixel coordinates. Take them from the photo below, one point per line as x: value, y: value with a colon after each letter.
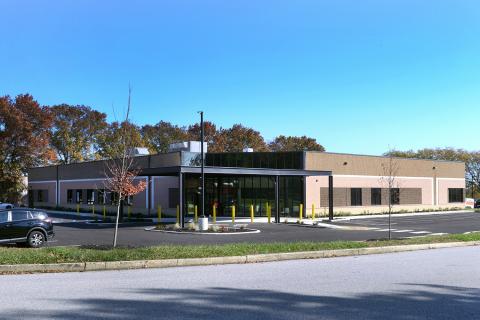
x: 202, y: 156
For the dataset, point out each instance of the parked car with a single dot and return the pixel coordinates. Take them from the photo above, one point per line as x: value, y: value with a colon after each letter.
x: 477, y: 203
x: 6, y: 205
x: 23, y: 225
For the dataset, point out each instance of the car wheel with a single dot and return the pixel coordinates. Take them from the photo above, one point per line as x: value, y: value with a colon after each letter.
x: 36, y: 239
x: 8, y: 207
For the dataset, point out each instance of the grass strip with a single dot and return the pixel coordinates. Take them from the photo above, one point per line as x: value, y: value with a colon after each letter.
x: 9, y: 255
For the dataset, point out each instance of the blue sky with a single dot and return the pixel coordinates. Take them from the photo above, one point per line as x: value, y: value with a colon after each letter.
x: 360, y: 76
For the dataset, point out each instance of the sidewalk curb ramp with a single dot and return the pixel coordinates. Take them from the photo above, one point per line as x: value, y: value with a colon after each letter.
x: 256, y: 258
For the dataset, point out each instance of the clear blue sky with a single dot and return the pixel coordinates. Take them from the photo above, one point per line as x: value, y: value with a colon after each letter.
x: 359, y: 76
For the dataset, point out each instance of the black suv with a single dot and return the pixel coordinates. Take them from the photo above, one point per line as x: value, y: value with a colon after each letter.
x: 477, y: 203
x: 23, y: 225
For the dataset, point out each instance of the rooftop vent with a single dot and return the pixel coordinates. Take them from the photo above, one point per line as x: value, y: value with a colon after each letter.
x: 189, y: 146
x: 139, y: 152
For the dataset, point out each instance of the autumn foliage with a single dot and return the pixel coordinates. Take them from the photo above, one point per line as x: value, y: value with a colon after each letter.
x: 122, y: 181
x: 34, y: 135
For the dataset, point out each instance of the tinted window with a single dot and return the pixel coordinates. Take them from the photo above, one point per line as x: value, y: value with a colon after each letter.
x: 356, y: 196
x: 3, y: 216
x: 69, y: 196
x: 272, y: 160
x: 90, y: 196
x: 395, y: 196
x: 19, y: 215
x: 376, y: 196
x: 38, y: 215
x: 455, y: 195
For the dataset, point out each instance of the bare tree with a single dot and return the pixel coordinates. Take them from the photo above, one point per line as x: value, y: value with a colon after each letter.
x: 389, y: 181
x: 120, y: 172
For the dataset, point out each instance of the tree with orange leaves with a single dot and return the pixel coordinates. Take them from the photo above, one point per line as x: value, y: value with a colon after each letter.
x: 24, y: 142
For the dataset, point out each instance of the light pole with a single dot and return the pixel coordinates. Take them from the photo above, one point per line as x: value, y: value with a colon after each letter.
x: 202, y: 169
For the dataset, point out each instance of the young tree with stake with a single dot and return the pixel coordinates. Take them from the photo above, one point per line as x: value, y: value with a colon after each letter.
x: 121, y: 171
x: 390, y: 182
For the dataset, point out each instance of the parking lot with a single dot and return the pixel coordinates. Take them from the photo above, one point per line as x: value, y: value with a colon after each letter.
x: 72, y: 230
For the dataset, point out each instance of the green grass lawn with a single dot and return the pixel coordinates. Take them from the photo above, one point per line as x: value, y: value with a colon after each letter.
x: 73, y: 254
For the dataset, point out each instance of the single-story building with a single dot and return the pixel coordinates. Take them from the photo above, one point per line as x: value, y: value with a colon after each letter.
x: 326, y: 182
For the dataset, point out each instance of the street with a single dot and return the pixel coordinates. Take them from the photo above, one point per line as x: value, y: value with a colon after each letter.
x: 433, y: 284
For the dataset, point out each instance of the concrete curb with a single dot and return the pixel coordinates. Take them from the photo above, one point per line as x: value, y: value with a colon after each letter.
x: 257, y: 258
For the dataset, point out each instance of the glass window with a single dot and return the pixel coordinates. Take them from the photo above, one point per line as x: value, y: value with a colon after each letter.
x: 356, y: 196
x: 90, y: 196
x: 38, y: 215
x: 455, y: 195
x: 78, y: 196
x: 69, y: 196
x: 19, y: 215
x: 113, y: 198
x: 376, y: 196
x: 40, y: 195
x: 4, y: 216
x: 395, y: 196
x: 101, y: 196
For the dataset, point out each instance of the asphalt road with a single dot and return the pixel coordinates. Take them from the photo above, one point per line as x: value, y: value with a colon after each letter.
x: 434, y: 284
x: 81, y: 233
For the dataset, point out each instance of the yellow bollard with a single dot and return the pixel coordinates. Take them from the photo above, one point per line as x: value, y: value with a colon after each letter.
x: 78, y: 209
x: 269, y: 217
x: 159, y: 214
x: 129, y: 211
x: 313, y: 211
x: 195, y: 214
x: 214, y: 211
x: 93, y: 210
x: 233, y: 214
x: 104, y: 212
x: 178, y: 214
x: 251, y: 213
x: 300, y: 214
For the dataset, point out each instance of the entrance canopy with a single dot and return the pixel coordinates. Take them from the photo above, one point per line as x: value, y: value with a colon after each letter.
x: 282, y: 191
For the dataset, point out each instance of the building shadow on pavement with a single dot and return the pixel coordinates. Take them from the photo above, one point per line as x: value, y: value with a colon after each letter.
x: 416, y: 301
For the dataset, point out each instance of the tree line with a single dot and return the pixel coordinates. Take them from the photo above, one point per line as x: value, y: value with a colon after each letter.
x: 34, y: 135
x: 470, y: 158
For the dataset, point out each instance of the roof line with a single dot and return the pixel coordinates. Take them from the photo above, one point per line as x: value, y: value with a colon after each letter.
x: 384, y: 157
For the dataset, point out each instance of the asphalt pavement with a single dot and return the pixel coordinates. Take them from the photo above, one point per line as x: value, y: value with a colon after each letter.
x: 75, y: 231
x: 433, y: 284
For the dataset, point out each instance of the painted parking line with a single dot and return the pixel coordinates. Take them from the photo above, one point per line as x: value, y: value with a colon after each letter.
x: 420, y: 232
x: 403, y: 231
x: 384, y: 230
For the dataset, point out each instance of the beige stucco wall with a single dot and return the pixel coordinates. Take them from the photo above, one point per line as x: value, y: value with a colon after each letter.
x: 348, y: 164
x: 160, y: 192
x: 444, y: 184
